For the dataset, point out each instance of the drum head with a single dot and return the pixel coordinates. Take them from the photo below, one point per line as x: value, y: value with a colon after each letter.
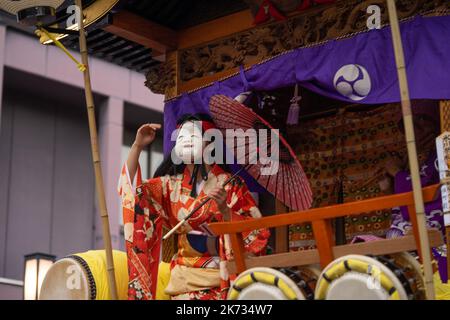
x: 65, y: 280
x: 264, y: 284
x: 354, y: 286
x: 358, y: 277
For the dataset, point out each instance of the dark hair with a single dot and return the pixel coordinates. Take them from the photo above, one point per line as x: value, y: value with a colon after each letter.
x: 167, y: 166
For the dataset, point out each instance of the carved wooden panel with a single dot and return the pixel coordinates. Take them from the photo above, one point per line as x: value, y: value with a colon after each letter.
x: 162, y: 79
x: 252, y: 46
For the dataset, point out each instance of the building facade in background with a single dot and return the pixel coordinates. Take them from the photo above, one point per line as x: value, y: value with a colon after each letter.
x: 47, y: 190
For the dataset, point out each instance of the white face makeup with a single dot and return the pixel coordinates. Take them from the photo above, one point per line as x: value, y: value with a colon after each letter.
x: 189, y: 143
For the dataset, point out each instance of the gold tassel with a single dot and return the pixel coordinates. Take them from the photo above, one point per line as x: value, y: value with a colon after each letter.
x: 80, y: 66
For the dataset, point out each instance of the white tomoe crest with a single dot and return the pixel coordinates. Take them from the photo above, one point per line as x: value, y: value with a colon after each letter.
x: 352, y: 81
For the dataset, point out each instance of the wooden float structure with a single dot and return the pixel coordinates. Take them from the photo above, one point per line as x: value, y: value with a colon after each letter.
x: 321, y: 219
x: 187, y: 60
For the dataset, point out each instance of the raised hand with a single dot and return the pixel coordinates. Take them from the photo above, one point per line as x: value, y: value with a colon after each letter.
x: 146, y: 134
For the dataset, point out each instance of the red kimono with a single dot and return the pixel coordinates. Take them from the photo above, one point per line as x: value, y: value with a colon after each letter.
x: 198, y: 269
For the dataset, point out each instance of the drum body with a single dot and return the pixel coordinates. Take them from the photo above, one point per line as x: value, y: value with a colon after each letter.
x: 275, y: 284
x: 357, y: 277
x: 83, y: 276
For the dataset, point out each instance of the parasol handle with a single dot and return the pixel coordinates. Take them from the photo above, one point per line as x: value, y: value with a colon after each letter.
x: 205, y: 201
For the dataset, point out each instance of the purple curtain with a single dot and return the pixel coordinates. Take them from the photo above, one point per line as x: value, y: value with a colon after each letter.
x: 360, y: 69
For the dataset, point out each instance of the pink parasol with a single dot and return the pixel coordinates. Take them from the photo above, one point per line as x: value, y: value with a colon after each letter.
x: 289, y: 184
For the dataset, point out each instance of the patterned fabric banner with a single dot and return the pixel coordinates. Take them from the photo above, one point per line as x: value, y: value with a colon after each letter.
x: 355, y: 148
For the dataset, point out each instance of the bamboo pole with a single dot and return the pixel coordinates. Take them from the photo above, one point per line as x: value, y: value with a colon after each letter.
x: 412, y: 152
x: 96, y: 157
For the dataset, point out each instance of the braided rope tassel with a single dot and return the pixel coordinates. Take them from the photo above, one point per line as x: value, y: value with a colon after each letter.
x: 294, y: 109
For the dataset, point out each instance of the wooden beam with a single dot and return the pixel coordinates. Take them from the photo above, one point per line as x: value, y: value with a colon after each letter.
x: 222, y: 28
x: 215, y: 29
x: 205, y: 81
x: 323, y: 213
x: 323, y: 233
x: 308, y: 257
x: 142, y: 31
x: 237, y: 242
x: 172, y: 60
x: 228, y: 25
x: 281, y: 233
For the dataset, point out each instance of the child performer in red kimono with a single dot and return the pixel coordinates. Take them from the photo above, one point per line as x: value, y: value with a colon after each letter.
x: 198, y: 269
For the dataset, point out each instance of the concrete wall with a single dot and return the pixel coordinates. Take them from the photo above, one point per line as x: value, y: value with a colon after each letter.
x: 25, y: 53
x: 48, y: 185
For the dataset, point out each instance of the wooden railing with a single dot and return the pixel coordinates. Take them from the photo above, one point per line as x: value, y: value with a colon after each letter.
x: 321, y: 219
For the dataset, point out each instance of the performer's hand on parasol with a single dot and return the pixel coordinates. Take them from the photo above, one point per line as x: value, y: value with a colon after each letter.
x: 219, y: 195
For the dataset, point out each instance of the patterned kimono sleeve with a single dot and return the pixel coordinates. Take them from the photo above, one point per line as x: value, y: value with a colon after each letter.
x: 143, y: 217
x: 243, y: 207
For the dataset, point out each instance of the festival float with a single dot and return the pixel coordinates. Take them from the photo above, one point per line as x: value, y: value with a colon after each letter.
x: 357, y: 93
